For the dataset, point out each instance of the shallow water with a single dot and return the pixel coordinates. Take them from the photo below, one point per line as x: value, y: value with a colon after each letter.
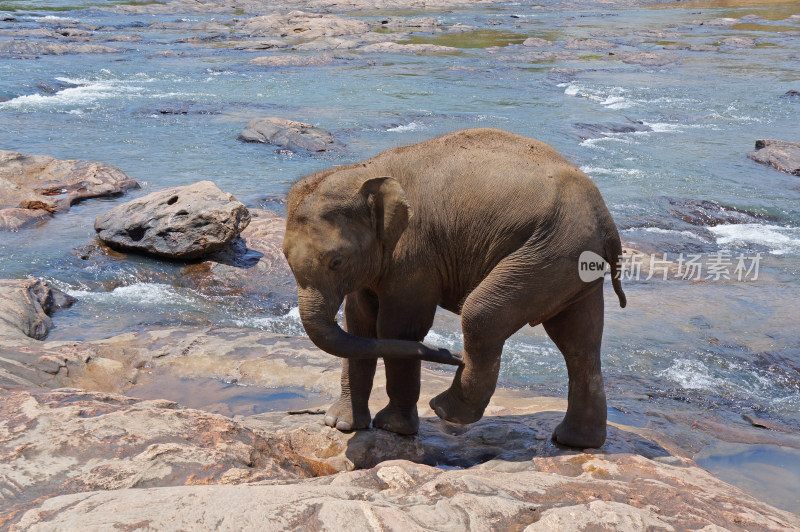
x: 721, y: 345
x: 220, y: 397
x: 763, y: 471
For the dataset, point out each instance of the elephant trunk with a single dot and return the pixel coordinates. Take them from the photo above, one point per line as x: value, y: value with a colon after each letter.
x: 318, y: 314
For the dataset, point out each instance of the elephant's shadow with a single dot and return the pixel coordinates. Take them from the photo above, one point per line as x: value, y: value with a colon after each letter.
x: 510, y: 438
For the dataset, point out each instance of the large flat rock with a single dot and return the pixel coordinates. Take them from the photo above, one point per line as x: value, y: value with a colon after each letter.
x: 33, y: 187
x: 94, y: 460
x: 780, y: 154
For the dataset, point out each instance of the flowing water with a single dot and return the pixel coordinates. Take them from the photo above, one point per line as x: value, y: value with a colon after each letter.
x: 722, y: 345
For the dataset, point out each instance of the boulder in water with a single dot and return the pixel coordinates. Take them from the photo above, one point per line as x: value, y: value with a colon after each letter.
x: 181, y: 223
x: 289, y: 135
x: 780, y: 154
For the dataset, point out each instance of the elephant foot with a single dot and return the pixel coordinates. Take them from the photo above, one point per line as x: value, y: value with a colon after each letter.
x: 580, y: 436
x: 400, y: 421
x: 342, y: 416
x: 455, y: 410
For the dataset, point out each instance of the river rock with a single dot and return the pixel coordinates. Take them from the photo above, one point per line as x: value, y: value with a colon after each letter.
x: 396, y: 48
x: 32, y: 187
x: 793, y: 95
x: 289, y: 135
x: 181, y: 223
x: 292, y: 61
x: 300, y: 25
x: 33, y: 48
x: 707, y: 213
x: 394, y: 23
x: 739, y: 42
x: 536, y: 42
x: 251, y: 267
x: 780, y: 154
x: 27, y: 305
x: 347, y: 42
x: 647, y: 58
x: 589, y: 44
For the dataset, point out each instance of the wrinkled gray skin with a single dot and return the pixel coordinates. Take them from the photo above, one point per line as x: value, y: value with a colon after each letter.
x: 481, y: 222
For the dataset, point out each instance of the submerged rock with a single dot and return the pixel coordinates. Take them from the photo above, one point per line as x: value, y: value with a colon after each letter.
x: 593, y: 131
x: 177, y: 223
x: 54, y: 86
x: 780, y: 154
x: 32, y: 187
x: 706, y: 213
x: 793, y: 95
x: 289, y: 135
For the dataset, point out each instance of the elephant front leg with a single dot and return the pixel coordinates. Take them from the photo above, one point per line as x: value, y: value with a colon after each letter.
x: 403, y: 319
x: 469, y: 395
x: 403, y: 387
x: 351, y: 410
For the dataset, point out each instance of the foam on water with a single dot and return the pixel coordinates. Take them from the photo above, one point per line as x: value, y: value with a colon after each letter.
x: 779, y: 240
x: 90, y: 92
x: 413, y: 126
x: 693, y: 375
x: 621, y: 172
x: 139, y: 294
x: 86, y: 94
x: 661, y: 231
x: 288, y: 323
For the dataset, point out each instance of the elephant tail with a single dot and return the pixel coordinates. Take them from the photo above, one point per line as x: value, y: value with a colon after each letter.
x: 613, y: 255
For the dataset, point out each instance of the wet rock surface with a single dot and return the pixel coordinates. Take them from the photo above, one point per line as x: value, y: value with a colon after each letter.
x: 34, y: 187
x: 180, y: 223
x: 780, y: 154
x: 289, y: 135
x: 707, y: 213
x: 251, y: 266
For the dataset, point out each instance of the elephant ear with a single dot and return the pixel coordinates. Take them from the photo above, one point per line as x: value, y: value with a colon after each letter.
x: 390, y: 209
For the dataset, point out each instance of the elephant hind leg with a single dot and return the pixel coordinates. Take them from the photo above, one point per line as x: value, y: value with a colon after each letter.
x: 519, y: 286
x: 351, y: 410
x: 577, y: 332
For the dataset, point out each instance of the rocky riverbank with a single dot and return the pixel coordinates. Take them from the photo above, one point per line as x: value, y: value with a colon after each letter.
x: 91, y: 457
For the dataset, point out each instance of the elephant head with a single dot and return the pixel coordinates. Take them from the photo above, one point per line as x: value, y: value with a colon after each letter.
x: 341, y: 231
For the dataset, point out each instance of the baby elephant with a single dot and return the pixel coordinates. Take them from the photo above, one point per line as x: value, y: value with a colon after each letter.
x: 484, y: 223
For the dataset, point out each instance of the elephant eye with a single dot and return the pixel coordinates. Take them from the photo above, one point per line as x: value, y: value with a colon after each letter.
x: 336, y: 262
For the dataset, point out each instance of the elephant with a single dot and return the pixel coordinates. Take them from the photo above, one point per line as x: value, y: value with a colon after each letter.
x: 484, y: 223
